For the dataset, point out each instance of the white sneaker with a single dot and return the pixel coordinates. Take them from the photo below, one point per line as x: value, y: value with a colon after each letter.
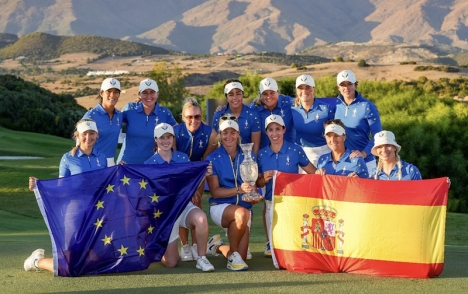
x: 236, y: 263
x: 194, y: 250
x: 186, y: 253
x: 249, y: 255
x: 29, y: 263
x: 204, y: 264
x: 213, y: 244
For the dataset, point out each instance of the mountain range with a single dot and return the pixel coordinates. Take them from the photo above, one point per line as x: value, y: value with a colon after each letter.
x: 243, y: 26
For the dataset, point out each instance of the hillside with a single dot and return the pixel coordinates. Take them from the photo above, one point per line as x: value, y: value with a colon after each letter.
x: 45, y: 46
x: 211, y: 26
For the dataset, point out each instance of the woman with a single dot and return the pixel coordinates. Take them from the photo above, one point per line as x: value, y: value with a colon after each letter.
x: 191, y: 217
x: 272, y: 103
x: 141, y: 118
x: 108, y: 119
x: 359, y: 115
x: 390, y: 166
x: 197, y: 140
x: 248, y: 118
x: 309, y: 115
x: 339, y: 161
x: 227, y: 209
x: 282, y: 156
x: 82, y: 158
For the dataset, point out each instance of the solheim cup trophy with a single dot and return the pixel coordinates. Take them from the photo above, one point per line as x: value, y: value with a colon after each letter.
x: 249, y: 171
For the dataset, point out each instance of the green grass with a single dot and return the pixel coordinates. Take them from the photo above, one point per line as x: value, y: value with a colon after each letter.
x: 22, y: 230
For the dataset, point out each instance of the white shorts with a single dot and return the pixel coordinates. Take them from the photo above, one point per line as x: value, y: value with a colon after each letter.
x: 216, y: 213
x: 180, y: 222
x: 313, y: 154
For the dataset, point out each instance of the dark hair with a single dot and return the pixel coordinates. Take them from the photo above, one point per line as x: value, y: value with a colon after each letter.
x: 231, y: 81
x: 336, y: 121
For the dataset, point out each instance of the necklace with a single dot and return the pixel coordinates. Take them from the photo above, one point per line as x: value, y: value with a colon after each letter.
x: 235, y: 173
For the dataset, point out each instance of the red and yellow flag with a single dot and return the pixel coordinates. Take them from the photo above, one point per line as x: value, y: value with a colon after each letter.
x: 331, y: 224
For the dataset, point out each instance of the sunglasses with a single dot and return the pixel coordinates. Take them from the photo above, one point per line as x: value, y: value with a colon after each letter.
x: 195, y: 117
x: 228, y: 117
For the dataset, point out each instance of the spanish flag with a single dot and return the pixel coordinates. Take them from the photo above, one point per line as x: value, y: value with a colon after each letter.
x: 333, y: 224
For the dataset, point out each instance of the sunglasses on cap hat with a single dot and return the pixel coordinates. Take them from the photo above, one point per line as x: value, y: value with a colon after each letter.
x: 230, y: 117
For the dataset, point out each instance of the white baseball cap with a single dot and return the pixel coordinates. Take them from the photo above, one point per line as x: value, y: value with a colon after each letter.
x: 274, y: 119
x: 148, y: 84
x: 162, y: 129
x: 268, y: 84
x: 110, y: 83
x: 382, y: 138
x: 233, y: 85
x: 337, y: 129
x: 305, y: 80
x: 346, y: 75
x: 86, y: 125
x: 229, y: 123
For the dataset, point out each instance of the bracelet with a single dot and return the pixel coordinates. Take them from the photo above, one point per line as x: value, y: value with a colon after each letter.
x: 237, y: 188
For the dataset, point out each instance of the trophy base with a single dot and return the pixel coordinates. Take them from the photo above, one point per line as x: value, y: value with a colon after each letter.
x: 249, y: 197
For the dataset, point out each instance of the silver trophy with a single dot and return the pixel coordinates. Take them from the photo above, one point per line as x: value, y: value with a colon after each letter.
x: 249, y: 171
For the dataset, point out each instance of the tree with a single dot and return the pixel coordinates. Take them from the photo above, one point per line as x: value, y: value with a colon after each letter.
x: 362, y: 63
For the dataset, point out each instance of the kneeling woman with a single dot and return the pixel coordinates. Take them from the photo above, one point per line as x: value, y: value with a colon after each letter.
x: 227, y: 209
x: 338, y: 161
x: 191, y: 217
x: 82, y: 158
x: 390, y: 166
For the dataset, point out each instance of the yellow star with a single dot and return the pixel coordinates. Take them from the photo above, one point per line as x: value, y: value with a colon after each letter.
x: 141, y: 251
x: 143, y: 184
x: 110, y: 188
x: 122, y: 250
x: 100, y: 204
x: 125, y: 180
x: 98, y: 223
x: 157, y: 214
x: 154, y: 198
x: 150, y: 229
x: 106, y: 240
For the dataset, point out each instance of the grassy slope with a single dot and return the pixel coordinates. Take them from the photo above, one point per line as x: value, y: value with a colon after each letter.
x: 19, y: 235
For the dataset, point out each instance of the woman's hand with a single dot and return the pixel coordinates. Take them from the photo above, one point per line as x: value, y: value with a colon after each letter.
x: 209, y: 170
x: 353, y: 175
x: 268, y: 175
x: 321, y: 171
x: 196, y: 199
x: 357, y: 153
x: 122, y: 162
x: 32, y: 183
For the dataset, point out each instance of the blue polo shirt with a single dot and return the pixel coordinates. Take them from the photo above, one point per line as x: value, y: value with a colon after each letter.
x: 194, y: 145
x: 249, y: 122
x: 177, y: 157
x: 283, y: 109
x: 309, y: 125
x: 408, y: 172
x: 344, y: 166
x: 362, y: 121
x: 109, y: 129
x: 80, y: 163
x: 288, y: 159
x: 222, y: 168
x: 139, y: 141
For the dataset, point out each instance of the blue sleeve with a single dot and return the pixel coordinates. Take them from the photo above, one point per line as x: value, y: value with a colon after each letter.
x: 414, y: 172
x: 362, y: 170
x: 87, y: 114
x: 303, y: 160
x: 375, y: 125
x: 124, y: 112
x: 215, y: 122
x: 64, y: 171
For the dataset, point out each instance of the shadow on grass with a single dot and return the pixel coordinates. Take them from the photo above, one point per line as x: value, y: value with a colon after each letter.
x: 218, y: 288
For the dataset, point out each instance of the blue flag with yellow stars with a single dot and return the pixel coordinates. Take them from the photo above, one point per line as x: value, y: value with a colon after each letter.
x: 117, y: 219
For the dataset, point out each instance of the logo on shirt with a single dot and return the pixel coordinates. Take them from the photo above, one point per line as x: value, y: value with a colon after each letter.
x: 317, y: 118
x: 156, y: 120
x: 344, y: 170
x: 282, y: 113
x: 246, y: 125
x: 118, y: 122
x: 97, y: 162
x: 200, y: 144
x: 354, y: 112
x: 288, y: 160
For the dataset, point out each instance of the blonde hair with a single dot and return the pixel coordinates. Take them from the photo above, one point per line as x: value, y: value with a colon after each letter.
x: 76, y: 134
x: 190, y: 102
x: 398, y: 163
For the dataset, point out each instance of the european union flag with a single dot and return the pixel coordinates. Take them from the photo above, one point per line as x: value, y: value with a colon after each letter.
x: 117, y: 219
